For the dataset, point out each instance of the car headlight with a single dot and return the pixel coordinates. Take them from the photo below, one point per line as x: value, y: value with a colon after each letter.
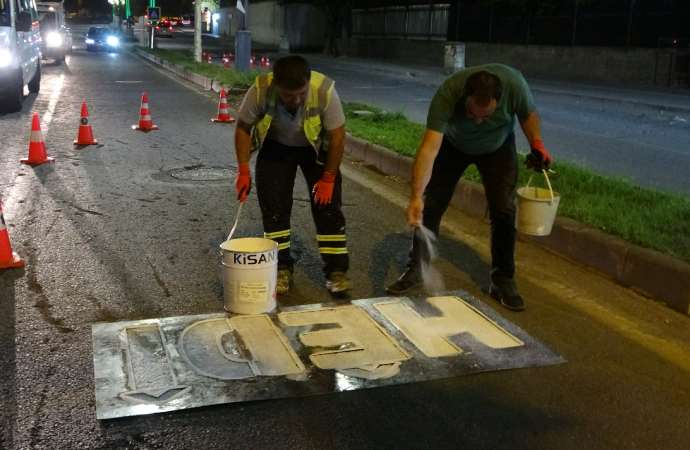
x: 112, y: 41
x: 89, y: 41
x: 5, y: 57
x: 54, y: 39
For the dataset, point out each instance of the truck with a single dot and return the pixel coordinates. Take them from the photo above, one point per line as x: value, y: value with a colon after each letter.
x: 56, y: 37
x: 20, y: 52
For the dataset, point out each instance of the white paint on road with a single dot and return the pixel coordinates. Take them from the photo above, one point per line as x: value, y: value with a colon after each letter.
x: 52, y: 104
x: 20, y: 185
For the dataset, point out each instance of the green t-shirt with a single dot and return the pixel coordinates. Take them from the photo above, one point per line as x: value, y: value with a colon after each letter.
x: 447, y: 110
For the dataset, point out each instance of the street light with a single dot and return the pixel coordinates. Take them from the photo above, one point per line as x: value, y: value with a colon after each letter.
x: 117, y: 4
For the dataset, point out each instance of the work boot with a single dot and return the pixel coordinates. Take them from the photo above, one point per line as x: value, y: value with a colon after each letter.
x: 337, y: 282
x: 505, y: 291
x: 284, y: 281
x: 410, y: 279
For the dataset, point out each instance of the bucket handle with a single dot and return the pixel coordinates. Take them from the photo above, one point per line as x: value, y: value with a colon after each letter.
x: 237, y: 219
x: 232, y: 230
x: 548, y: 183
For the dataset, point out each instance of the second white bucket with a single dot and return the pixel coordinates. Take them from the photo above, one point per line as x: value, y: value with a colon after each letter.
x: 536, y: 208
x: 250, y: 272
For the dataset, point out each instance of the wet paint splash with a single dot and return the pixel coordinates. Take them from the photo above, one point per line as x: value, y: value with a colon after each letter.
x: 431, y: 276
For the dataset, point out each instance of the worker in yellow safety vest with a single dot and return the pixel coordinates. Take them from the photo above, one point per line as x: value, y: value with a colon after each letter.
x: 294, y: 118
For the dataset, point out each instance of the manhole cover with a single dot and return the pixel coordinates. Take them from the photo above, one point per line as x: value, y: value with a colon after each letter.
x: 202, y: 173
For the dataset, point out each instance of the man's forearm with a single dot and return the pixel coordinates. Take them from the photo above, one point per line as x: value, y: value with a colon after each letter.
x: 243, y: 143
x: 531, y: 127
x: 424, y: 162
x: 336, y: 148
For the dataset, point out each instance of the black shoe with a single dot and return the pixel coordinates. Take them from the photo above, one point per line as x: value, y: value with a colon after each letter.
x: 284, y: 281
x: 505, y: 291
x: 408, y: 280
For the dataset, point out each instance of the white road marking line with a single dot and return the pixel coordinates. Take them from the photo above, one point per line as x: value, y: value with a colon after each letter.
x: 19, y: 188
x: 54, y: 98
x: 376, y: 87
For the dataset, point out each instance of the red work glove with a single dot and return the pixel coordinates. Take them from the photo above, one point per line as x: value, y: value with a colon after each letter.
x: 243, y: 183
x: 323, y: 189
x: 540, y: 158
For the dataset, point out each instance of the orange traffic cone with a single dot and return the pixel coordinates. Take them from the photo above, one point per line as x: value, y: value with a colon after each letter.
x: 223, y: 113
x: 37, y: 148
x: 85, y: 134
x: 8, y: 258
x: 145, y: 122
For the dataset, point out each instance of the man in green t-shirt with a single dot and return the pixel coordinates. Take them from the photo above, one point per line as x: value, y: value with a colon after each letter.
x: 471, y: 121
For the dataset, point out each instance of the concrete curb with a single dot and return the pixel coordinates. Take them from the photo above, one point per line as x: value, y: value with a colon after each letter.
x: 649, y: 272
x: 200, y: 80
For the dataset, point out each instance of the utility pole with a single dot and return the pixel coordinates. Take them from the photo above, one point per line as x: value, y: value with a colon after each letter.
x: 573, y: 38
x: 629, y: 31
x: 197, y: 30
x: 243, y: 39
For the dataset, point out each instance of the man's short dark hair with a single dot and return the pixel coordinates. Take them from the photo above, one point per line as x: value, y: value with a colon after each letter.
x: 291, y: 72
x: 483, y: 86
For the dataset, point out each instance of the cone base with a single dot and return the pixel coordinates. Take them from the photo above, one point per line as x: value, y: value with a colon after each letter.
x: 15, y: 263
x: 218, y: 120
x: 145, y: 130
x: 29, y: 162
x: 94, y: 142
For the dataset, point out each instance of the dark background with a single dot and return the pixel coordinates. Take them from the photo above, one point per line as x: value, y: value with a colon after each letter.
x: 638, y: 23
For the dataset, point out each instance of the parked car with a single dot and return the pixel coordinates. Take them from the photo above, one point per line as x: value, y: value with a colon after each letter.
x: 20, y: 52
x: 102, y: 38
x: 164, y: 29
x: 174, y: 21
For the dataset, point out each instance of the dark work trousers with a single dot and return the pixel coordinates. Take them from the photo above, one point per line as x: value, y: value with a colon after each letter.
x: 498, y: 171
x: 276, y: 168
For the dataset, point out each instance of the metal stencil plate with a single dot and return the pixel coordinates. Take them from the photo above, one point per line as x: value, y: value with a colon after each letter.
x: 158, y: 365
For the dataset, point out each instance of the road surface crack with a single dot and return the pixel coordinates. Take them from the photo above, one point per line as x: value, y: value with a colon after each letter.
x: 43, y: 304
x: 158, y: 278
x: 87, y: 211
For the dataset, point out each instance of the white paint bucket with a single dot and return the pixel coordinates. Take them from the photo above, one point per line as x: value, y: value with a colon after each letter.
x: 250, y: 272
x: 536, y: 208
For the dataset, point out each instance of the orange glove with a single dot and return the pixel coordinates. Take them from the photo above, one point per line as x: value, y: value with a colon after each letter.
x: 323, y: 189
x: 243, y: 183
x: 540, y: 158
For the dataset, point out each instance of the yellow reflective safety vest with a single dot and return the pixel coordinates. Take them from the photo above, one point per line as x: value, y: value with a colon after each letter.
x: 318, y: 99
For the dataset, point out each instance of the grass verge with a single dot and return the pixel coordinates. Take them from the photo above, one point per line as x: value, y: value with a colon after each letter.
x: 645, y: 217
x: 185, y: 58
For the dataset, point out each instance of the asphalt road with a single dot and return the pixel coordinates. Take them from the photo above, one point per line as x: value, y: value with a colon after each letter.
x: 109, y: 235
x: 639, y: 139
x: 648, y: 145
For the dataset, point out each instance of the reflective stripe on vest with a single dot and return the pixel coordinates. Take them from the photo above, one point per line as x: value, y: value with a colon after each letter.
x: 318, y: 99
